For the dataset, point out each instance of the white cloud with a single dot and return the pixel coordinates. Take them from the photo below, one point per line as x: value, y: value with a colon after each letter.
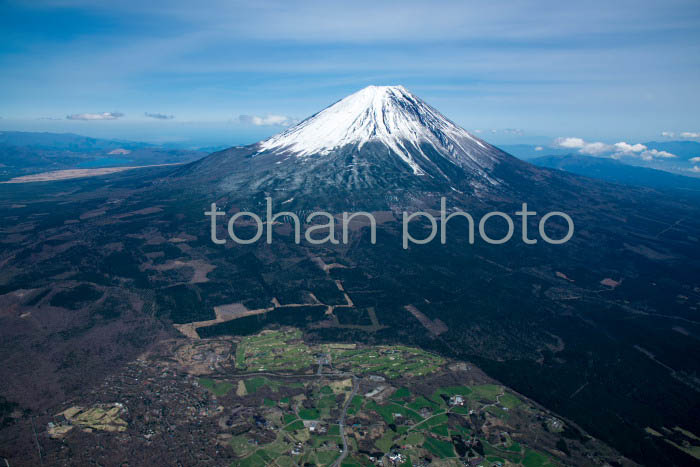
x: 626, y: 147
x: 159, y: 116
x: 695, y: 160
x: 539, y: 148
x: 684, y: 134
x: 582, y: 146
x: 695, y: 169
x: 506, y: 131
x: 102, y: 116
x: 268, y: 120
x: 646, y: 155
x: 595, y: 149
x: 663, y: 153
x: 569, y: 142
x: 615, y: 151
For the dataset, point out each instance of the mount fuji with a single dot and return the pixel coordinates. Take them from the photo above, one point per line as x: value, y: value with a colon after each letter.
x: 397, y: 119
x: 382, y: 138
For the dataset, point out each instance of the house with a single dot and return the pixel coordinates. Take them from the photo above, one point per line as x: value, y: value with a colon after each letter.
x: 456, y: 400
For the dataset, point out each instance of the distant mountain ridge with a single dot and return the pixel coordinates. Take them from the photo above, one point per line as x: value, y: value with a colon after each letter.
x: 617, y: 172
x: 24, y: 153
x: 685, y: 150
x: 65, y: 141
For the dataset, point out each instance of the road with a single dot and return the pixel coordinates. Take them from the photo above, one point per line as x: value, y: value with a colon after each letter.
x: 341, y: 423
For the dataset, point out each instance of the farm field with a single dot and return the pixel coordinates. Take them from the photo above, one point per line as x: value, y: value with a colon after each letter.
x: 280, y: 398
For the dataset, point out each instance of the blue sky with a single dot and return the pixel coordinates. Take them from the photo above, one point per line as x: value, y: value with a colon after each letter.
x: 518, y: 71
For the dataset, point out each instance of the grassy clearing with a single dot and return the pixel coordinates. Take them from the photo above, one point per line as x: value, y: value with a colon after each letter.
x: 485, y: 392
x: 309, y: 414
x: 401, y: 394
x: 536, y: 459
x: 442, y: 449
x: 455, y: 391
x: 355, y: 405
x: 241, y: 447
x: 218, y: 388
x: 294, y: 426
x: 326, y: 457
x: 509, y: 400
x: 421, y: 402
x: 489, y: 450
x: 253, y: 384
x: 440, y: 430
x: 415, y: 439
x: 497, y: 412
x: 384, y: 443
x: 388, y: 412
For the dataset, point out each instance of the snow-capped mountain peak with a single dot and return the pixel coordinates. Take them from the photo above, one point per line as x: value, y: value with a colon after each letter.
x: 390, y: 115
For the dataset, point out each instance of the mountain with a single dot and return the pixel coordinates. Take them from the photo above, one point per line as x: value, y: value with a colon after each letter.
x: 394, y: 118
x: 381, y: 138
x: 615, y: 171
x: 602, y: 329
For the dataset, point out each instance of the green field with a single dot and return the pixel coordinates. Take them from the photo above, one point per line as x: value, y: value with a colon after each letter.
x: 387, y: 412
x: 384, y: 443
x: 438, y: 447
x: 309, y: 414
x: 509, y: 400
x: 253, y: 384
x: 486, y: 392
x: 389, y: 361
x: 241, y: 446
x: 297, y: 425
x: 536, y: 459
x: 440, y: 430
x: 420, y: 402
x: 401, y: 393
x: 274, y: 351
x: 218, y: 388
x: 403, y: 425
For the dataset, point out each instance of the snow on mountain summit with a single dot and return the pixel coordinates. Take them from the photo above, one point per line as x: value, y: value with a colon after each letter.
x: 390, y: 115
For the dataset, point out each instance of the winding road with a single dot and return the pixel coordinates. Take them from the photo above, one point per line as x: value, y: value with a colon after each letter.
x: 341, y: 423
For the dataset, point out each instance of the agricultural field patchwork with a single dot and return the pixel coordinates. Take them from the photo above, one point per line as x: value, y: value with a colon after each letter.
x: 277, y: 398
